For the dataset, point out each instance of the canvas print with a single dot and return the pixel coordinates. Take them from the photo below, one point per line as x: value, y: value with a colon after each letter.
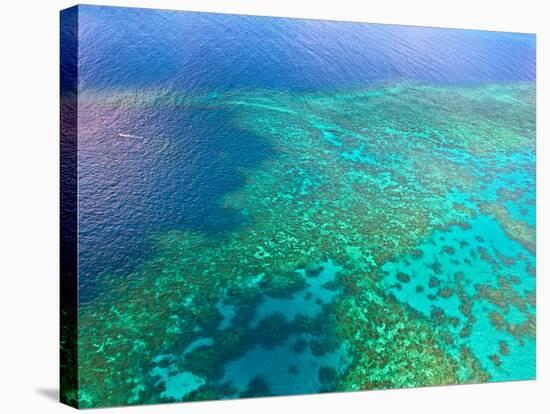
x: 257, y: 206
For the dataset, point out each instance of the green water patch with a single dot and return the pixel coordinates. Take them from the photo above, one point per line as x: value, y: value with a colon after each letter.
x: 228, y: 313
x: 297, y: 366
x: 177, y: 385
x: 319, y: 290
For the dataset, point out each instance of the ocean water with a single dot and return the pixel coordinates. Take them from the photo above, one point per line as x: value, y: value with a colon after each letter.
x: 274, y: 206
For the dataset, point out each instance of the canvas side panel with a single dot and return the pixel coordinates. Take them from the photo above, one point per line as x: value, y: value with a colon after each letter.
x: 68, y: 206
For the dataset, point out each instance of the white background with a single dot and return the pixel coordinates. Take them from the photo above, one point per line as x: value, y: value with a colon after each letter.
x: 29, y: 205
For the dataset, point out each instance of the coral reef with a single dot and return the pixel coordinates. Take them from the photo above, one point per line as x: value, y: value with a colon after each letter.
x: 388, y: 242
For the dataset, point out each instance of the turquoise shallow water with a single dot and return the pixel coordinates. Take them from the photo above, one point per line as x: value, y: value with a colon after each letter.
x: 313, y: 207
x: 449, y: 272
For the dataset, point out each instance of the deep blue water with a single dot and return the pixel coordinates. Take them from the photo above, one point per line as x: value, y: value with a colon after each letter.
x: 127, y: 47
x: 177, y: 165
x: 168, y: 174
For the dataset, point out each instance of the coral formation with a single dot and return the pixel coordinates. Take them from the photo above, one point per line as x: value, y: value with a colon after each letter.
x: 387, y: 241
